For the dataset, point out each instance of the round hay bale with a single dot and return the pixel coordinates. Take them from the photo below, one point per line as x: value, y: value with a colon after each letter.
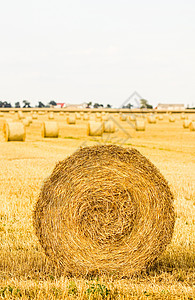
x: 151, y: 119
x: 192, y: 126
x: 85, y: 117
x: 41, y: 112
x: 171, y: 118
x: 14, y: 131
x: 105, y: 117
x: 98, y: 116
x: 132, y: 118
x: 160, y: 117
x: 29, y: 118
x: 186, y: 123
x: 50, y: 129
x: 20, y: 115
x: 104, y: 209
x: 92, y: 117
x: 78, y: 116
x: 182, y: 116
x: 123, y: 117
x: 61, y: 113
x: 95, y: 128
x: 12, y: 112
x: 51, y: 115
x: 71, y: 119
x: 1, y: 114
x: 26, y: 122
x: 109, y: 126
x: 140, y: 125
x: 34, y: 116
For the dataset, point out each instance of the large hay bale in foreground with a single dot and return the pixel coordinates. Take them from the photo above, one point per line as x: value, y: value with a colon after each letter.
x: 14, y: 131
x: 104, y: 209
x: 50, y: 129
x: 95, y: 128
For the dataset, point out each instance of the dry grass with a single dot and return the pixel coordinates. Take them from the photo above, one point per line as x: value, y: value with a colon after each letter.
x: 24, y: 270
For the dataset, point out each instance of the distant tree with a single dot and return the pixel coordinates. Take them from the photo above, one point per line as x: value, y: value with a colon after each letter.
x: 53, y: 103
x: 41, y: 104
x: 108, y: 106
x: 97, y: 105
x: 144, y: 104
x: 89, y: 104
x: 17, y: 105
x: 26, y: 103
x: 129, y: 105
x: 5, y: 104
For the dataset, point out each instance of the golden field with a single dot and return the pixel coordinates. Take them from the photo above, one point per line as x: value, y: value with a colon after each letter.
x: 25, y: 272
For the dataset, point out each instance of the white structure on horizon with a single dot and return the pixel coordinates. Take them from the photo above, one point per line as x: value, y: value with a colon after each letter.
x: 72, y: 106
x: 161, y: 106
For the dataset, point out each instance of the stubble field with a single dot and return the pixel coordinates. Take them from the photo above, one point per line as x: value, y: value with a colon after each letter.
x: 26, y: 273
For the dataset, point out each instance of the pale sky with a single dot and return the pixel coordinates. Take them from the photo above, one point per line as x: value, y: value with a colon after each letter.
x: 102, y: 51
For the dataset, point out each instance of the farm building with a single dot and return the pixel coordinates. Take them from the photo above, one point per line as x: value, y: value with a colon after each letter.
x: 161, y: 106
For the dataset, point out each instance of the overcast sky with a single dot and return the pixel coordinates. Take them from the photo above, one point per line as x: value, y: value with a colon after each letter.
x: 97, y: 50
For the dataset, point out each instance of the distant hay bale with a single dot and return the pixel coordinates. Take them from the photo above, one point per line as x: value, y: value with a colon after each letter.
x: 95, y: 128
x: 14, y: 131
x: 1, y: 114
x: 98, y: 116
x: 151, y: 119
x: 140, y: 125
x: 61, y: 113
x: 105, y: 117
x: 105, y: 209
x: 132, y: 118
x: 29, y: 118
x: 109, y: 126
x: 20, y: 115
x: 40, y: 112
x: 92, y: 117
x: 34, y: 116
x: 26, y: 122
x: 171, y: 118
x: 12, y: 112
x: 192, y: 126
x: 78, y: 116
x: 50, y: 129
x: 160, y: 117
x: 123, y: 117
x: 182, y: 116
x: 85, y: 117
x: 51, y: 115
x: 186, y: 123
x: 71, y: 119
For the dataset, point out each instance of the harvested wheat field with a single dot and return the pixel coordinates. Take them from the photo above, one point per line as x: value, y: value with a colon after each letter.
x: 165, y: 265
